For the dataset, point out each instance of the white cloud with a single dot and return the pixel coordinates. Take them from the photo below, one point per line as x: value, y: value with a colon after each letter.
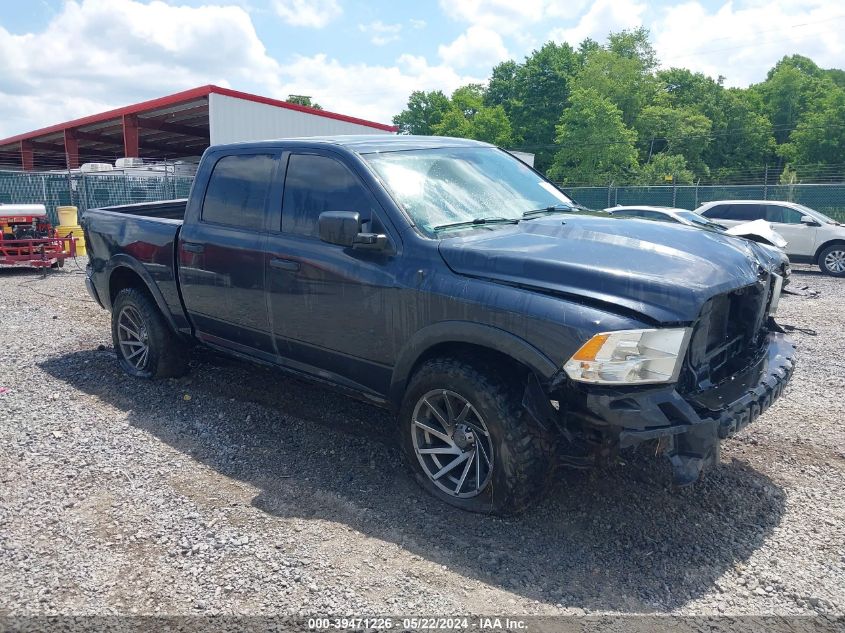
x: 742, y: 42
x: 417, y: 24
x: 375, y: 92
x: 99, y: 54
x: 503, y: 16
x: 478, y: 46
x: 313, y: 13
x: 381, y: 33
x: 603, y: 17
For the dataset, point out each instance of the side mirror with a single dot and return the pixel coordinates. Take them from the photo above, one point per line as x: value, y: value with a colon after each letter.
x: 339, y: 227
x: 809, y: 221
x: 344, y: 229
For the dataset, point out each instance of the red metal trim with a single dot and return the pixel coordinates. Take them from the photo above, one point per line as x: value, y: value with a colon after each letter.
x: 182, y: 97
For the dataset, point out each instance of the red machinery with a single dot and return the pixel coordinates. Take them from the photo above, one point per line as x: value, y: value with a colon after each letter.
x: 28, y: 239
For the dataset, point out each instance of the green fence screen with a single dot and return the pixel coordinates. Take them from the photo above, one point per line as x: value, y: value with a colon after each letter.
x: 88, y: 191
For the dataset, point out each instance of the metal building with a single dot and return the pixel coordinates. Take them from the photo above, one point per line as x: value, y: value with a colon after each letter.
x: 178, y: 126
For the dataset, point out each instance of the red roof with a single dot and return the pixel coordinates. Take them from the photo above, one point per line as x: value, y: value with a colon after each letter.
x: 185, y: 96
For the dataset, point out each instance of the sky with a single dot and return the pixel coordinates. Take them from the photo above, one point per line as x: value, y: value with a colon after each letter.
x: 62, y: 59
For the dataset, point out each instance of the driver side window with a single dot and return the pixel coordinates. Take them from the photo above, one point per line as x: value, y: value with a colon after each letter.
x: 782, y: 215
x: 316, y: 183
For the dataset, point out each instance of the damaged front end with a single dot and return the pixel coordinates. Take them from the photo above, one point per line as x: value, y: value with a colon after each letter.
x: 735, y: 364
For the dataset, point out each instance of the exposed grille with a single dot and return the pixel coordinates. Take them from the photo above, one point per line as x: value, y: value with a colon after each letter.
x: 728, y: 334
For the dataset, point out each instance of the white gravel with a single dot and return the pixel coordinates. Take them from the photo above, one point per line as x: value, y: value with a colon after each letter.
x: 237, y: 490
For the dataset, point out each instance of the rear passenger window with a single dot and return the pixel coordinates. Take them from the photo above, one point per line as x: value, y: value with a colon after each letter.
x: 782, y: 215
x: 237, y: 190
x: 743, y: 212
x: 314, y: 184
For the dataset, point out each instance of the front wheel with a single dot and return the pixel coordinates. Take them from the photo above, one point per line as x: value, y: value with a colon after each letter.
x: 832, y: 260
x: 468, y: 440
x: 146, y: 347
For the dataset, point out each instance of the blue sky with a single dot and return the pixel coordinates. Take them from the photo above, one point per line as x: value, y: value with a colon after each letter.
x: 68, y: 58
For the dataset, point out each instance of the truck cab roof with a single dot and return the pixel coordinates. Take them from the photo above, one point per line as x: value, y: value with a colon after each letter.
x: 365, y: 143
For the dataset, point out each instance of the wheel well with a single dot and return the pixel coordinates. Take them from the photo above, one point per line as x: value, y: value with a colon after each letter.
x: 124, y: 277
x: 473, y: 354
x: 824, y: 246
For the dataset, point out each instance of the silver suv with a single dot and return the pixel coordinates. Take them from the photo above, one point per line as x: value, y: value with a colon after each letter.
x: 813, y: 237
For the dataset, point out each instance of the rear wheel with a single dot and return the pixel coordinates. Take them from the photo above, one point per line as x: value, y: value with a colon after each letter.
x: 468, y: 440
x: 146, y: 347
x: 832, y: 260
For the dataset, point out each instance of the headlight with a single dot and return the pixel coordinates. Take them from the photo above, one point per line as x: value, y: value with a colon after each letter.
x: 630, y: 357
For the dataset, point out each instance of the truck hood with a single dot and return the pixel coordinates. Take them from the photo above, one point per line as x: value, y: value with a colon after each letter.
x: 663, y: 271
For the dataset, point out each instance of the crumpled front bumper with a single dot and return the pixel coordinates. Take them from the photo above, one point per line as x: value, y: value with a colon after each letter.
x: 692, y: 424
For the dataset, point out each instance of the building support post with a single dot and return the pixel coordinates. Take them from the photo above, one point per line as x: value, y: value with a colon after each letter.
x: 72, y: 149
x: 130, y: 136
x: 27, y: 156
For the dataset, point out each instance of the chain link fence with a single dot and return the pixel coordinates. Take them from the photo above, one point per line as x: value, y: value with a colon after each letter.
x: 90, y: 190
x: 826, y: 198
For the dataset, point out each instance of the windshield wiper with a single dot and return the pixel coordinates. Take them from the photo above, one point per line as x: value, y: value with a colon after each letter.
x: 476, y: 222
x: 555, y: 208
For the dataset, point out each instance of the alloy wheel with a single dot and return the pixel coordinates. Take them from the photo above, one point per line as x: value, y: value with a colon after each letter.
x: 452, y: 443
x: 834, y: 261
x: 132, y: 337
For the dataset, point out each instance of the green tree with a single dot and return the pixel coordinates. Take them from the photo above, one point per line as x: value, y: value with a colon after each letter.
x: 595, y: 144
x: 303, y: 100
x: 819, y: 139
x: 623, y: 80
x: 454, y: 124
x: 792, y: 88
x: 664, y: 168
x: 425, y: 110
x: 468, y: 117
x: 743, y: 138
x: 533, y: 95
x: 492, y: 125
x: 681, y: 131
x: 634, y: 44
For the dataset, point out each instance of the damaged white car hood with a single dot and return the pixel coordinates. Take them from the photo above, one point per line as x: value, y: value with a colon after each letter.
x: 758, y: 228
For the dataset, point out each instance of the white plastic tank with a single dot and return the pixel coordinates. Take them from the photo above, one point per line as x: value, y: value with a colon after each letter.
x: 18, y: 210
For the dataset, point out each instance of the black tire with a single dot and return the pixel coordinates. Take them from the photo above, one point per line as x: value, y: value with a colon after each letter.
x: 167, y: 354
x: 520, y: 457
x: 832, y: 260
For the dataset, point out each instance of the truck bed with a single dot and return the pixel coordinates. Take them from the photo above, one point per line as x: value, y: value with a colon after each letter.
x: 143, y: 236
x: 165, y: 209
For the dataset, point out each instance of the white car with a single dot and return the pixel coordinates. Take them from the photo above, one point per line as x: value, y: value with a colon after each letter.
x: 811, y: 237
x: 757, y: 231
x: 772, y: 243
x: 663, y: 214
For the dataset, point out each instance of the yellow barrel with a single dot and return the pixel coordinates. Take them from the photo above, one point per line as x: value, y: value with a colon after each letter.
x: 75, y: 231
x: 67, y: 216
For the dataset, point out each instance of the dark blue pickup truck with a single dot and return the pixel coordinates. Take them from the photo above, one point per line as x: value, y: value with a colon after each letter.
x: 509, y: 330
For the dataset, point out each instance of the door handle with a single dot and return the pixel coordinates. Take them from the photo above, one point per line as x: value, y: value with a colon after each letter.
x: 192, y: 247
x: 284, y: 264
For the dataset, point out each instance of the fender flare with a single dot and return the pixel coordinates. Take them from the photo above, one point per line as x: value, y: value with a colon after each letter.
x: 122, y: 260
x: 465, y: 332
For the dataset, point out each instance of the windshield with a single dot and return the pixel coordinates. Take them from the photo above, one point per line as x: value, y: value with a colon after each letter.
x: 697, y: 219
x: 439, y: 187
x: 817, y: 214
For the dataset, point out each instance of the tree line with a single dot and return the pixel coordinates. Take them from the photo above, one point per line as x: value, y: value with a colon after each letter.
x: 603, y: 113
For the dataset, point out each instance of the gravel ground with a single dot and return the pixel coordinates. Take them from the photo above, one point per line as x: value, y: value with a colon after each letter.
x: 237, y: 490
